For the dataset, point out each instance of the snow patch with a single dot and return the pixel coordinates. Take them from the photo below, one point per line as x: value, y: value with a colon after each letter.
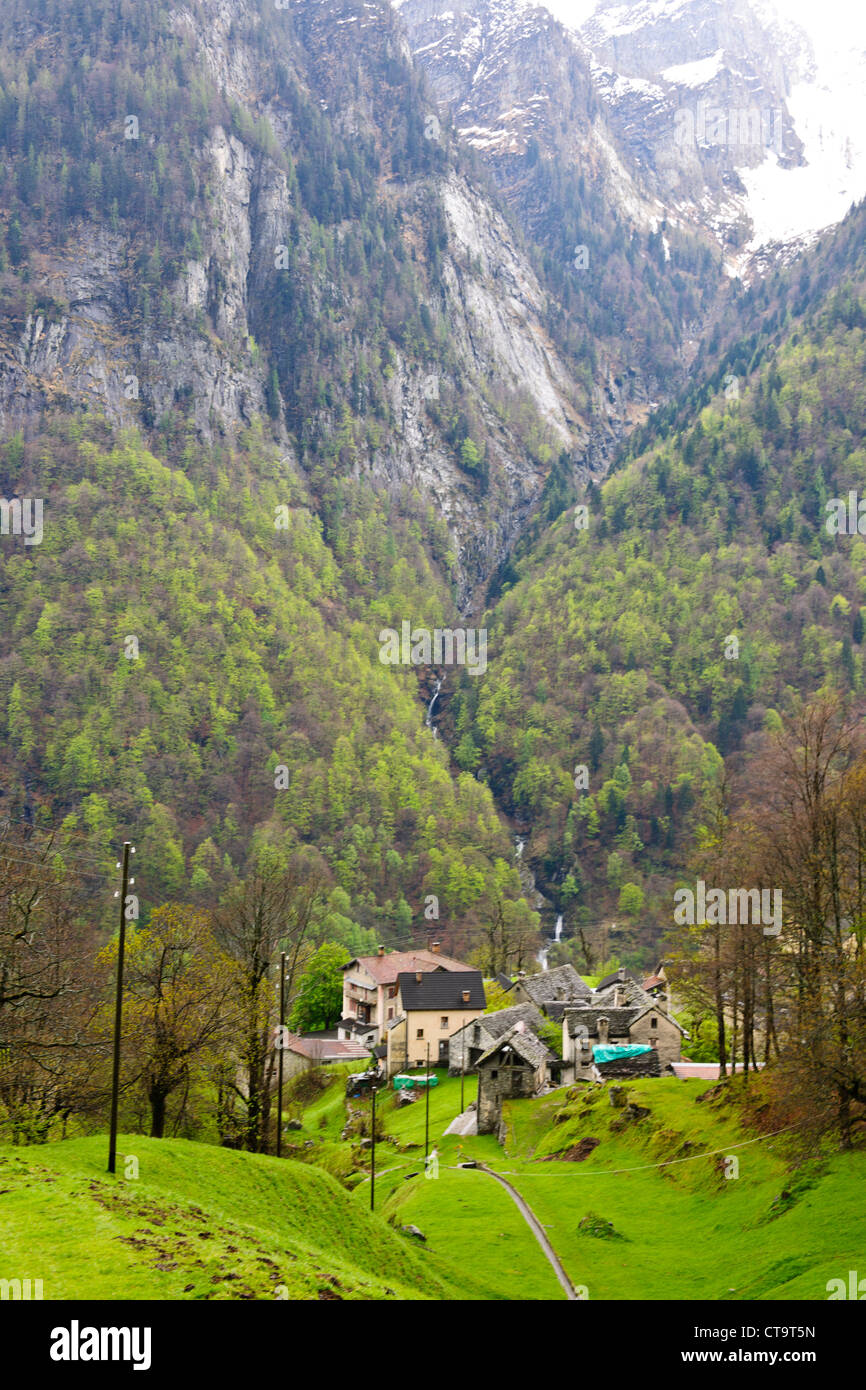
x: 697, y: 73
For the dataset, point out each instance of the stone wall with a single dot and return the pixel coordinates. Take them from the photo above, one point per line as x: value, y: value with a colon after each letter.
x: 666, y: 1036
x: 499, y: 1083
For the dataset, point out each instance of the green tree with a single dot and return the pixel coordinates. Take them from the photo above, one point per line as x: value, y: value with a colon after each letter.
x: 631, y: 899
x: 320, y: 1000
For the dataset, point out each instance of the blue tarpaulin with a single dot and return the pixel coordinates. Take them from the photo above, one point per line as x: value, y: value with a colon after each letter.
x: 612, y: 1054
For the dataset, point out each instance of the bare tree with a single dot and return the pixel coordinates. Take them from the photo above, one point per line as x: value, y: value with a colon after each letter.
x: 272, y: 910
x: 48, y: 985
x: 177, y: 990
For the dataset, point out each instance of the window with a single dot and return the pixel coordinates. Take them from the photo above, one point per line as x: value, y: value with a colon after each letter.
x: 419, y: 1033
x: 494, y: 1074
x: 390, y: 1013
x: 443, y: 1022
x: 392, y: 991
x: 654, y: 1023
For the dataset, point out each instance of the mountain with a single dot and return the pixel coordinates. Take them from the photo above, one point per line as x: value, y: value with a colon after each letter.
x: 718, y: 115
x: 320, y: 319
x: 278, y: 370
x: 244, y: 219
x: 642, y: 648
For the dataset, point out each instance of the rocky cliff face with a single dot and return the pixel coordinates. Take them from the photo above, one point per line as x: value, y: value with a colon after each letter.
x: 209, y: 352
x: 665, y: 106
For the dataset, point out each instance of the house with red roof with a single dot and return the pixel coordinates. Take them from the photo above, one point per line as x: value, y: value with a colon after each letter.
x: 370, y: 986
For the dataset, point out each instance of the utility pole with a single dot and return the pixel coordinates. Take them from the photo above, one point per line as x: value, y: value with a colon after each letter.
x: 281, y: 1049
x: 373, y: 1158
x: 427, y: 1110
x: 462, y: 1072
x: 118, y: 1008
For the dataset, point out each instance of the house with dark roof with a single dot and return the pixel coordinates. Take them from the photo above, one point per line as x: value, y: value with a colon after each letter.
x: 351, y: 1029
x: 621, y: 1016
x: 555, y: 987
x: 468, y: 1043
x: 515, y: 1066
x: 370, y: 985
x: 431, y: 1004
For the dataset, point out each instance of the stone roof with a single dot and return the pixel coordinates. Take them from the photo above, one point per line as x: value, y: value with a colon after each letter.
x: 561, y: 985
x: 524, y: 1042
x: 615, y: 977
x: 441, y: 989
x: 620, y: 1017
x: 385, y: 969
x: 619, y: 1020
x: 501, y: 1020
x: 635, y: 996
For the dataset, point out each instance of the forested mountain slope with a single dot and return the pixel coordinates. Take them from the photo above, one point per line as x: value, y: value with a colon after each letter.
x: 288, y: 364
x: 699, y: 595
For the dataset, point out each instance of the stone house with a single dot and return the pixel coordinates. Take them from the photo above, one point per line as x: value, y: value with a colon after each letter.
x: 468, y: 1043
x: 556, y: 987
x: 432, y: 1005
x: 620, y: 1016
x: 516, y: 1066
x: 370, y: 985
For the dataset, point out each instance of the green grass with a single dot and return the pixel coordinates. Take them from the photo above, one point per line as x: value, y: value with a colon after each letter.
x: 204, y: 1222
x: 199, y: 1222
x: 690, y: 1232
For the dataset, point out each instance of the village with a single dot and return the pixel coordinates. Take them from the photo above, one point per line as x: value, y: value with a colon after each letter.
x: 406, y: 1013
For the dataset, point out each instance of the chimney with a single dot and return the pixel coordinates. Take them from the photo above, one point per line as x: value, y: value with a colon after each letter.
x: 466, y: 996
x: 418, y: 975
x: 381, y: 950
x: 602, y: 1030
x: 619, y: 998
x: 521, y: 974
x: 434, y: 947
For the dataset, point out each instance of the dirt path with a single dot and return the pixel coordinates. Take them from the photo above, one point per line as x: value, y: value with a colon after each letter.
x: 538, y: 1231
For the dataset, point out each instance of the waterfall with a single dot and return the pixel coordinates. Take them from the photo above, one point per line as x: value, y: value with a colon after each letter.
x: 518, y: 848
x: 557, y: 935
x: 429, y: 719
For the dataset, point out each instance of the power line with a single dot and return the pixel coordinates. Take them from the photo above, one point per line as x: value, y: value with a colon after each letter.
x: 643, y: 1167
x: 7, y: 821
x: 604, y: 1172
x: 47, y: 864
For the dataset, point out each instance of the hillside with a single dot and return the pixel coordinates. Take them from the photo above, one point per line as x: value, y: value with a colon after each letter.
x: 698, y: 595
x: 198, y: 1222
x: 784, y: 1222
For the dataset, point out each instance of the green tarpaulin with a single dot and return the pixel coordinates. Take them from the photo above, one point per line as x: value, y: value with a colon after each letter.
x: 403, y: 1083
x: 612, y: 1054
